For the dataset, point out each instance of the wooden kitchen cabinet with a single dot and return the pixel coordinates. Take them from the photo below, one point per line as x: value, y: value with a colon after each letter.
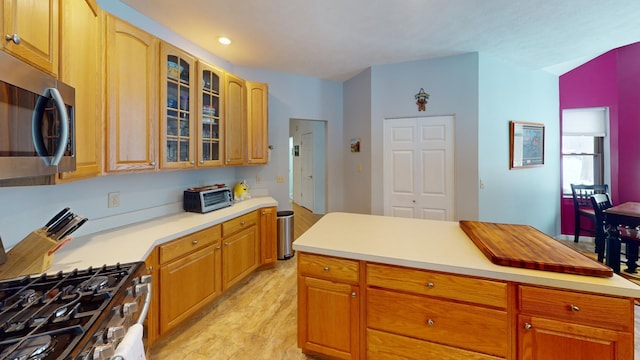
x: 257, y: 122
x: 153, y: 316
x: 33, y: 31
x: 558, y: 324
x: 132, y: 98
x: 178, y: 114
x: 190, y: 275
x: 210, y: 109
x: 268, y: 236
x: 82, y: 66
x: 328, y: 306
x: 462, y: 314
x: 240, y: 253
x: 235, y: 120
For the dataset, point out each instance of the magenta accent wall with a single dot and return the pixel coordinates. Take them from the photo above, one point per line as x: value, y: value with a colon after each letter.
x: 613, y: 80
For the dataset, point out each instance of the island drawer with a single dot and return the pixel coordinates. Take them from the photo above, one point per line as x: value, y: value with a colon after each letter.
x: 189, y: 243
x: 464, y: 326
x: 425, y: 282
x: 328, y: 267
x: 386, y: 346
x: 597, y: 310
x: 241, y: 222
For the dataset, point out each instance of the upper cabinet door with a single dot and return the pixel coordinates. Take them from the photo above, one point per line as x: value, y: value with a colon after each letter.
x: 82, y: 66
x: 235, y: 120
x: 257, y: 122
x: 132, y: 97
x: 177, y: 87
x: 31, y: 32
x: 210, y: 107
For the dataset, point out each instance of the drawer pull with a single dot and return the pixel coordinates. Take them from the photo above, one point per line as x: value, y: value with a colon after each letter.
x: 195, y: 242
x: 430, y: 322
x: 218, y: 247
x: 241, y: 223
x: 226, y: 243
x: 15, y: 38
x: 527, y: 326
x: 430, y: 285
x: 353, y: 294
x: 326, y: 268
x: 574, y: 308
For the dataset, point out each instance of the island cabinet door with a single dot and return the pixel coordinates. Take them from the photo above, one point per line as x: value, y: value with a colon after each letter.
x: 328, y: 318
x: 542, y: 339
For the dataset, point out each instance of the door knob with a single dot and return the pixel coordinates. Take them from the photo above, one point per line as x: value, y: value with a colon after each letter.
x: 15, y: 38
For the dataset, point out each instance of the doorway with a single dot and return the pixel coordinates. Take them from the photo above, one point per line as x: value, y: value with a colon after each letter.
x: 308, y: 169
x: 419, y: 168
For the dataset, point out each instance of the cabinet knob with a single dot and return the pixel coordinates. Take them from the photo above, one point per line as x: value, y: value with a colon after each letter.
x: 195, y: 242
x: 527, y: 326
x: 15, y: 38
x: 353, y: 294
x: 326, y: 268
x: 574, y: 308
x: 226, y: 244
x: 430, y: 285
x: 201, y: 161
x: 192, y: 162
x: 153, y: 163
x: 264, y: 213
x: 218, y: 247
x: 430, y: 322
x: 241, y: 223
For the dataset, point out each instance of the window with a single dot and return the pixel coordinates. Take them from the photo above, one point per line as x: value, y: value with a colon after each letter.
x: 583, y: 139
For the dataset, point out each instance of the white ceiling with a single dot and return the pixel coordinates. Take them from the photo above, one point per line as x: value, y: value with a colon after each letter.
x: 336, y: 39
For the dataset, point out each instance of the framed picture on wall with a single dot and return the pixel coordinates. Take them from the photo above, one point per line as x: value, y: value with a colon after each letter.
x: 526, y: 144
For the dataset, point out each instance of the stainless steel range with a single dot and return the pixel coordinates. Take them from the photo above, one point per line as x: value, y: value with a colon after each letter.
x: 82, y: 314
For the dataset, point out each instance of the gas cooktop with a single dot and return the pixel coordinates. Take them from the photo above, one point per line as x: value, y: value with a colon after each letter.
x: 81, y: 314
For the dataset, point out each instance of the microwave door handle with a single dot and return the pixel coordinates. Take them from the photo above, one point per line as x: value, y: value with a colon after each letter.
x: 36, y: 127
x: 63, y: 137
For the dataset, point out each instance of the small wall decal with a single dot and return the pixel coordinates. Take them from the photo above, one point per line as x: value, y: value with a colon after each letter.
x: 355, y: 145
x: 421, y: 100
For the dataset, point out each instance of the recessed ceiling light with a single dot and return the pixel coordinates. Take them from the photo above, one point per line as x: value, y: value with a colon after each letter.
x: 224, y: 40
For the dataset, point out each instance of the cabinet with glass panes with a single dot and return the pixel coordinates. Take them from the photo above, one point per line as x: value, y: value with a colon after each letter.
x: 211, y: 125
x: 177, y: 99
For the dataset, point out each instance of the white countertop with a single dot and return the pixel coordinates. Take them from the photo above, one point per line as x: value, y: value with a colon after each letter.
x: 434, y: 245
x: 134, y: 242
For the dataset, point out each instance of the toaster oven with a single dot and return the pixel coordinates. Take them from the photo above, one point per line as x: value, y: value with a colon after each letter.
x: 207, y: 198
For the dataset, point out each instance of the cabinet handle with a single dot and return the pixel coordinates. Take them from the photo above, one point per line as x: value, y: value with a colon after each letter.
x: 192, y: 162
x: 326, y: 268
x: 195, y: 242
x: 430, y: 322
x: 353, y: 294
x: 15, y: 38
x: 218, y: 247
x: 574, y: 308
x: 150, y: 269
x: 226, y: 244
x: 241, y: 223
x: 201, y: 161
x: 264, y: 213
x: 153, y: 163
x: 430, y: 285
x: 527, y: 326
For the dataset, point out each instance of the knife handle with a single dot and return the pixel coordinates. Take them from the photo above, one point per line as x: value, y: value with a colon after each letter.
x: 55, y: 218
x: 60, y: 224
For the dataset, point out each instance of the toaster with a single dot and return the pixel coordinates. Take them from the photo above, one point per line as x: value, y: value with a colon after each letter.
x: 207, y: 198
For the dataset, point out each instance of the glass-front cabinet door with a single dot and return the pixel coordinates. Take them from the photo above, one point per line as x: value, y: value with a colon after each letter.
x: 178, y: 117
x: 211, y: 121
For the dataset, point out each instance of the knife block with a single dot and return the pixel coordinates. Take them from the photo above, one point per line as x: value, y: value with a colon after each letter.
x: 29, y: 256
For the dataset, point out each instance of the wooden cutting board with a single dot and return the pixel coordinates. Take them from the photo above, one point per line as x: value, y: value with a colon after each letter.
x: 526, y: 247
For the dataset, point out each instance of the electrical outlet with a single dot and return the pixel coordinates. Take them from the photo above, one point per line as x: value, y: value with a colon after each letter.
x: 114, y: 199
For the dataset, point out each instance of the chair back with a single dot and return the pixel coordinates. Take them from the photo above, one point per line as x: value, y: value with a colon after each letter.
x: 600, y: 202
x: 582, y: 194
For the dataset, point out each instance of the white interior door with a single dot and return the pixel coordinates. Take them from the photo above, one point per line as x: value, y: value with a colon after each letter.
x: 419, y: 168
x: 306, y: 169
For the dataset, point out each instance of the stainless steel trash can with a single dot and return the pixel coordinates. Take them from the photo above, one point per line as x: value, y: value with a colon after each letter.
x: 285, y: 235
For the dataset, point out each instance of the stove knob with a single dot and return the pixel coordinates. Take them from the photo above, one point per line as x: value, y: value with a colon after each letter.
x: 145, y: 279
x: 129, y: 308
x: 114, y: 334
x: 103, y: 352
x: 140, y: 289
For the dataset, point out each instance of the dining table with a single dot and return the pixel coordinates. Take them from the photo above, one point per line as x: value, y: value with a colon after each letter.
x: 621, y: 222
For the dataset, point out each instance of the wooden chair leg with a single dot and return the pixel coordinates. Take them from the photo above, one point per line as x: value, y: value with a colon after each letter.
x: 576, y: 229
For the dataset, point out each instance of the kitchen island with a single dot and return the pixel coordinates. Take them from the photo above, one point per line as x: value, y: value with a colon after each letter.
x: 373, y: 286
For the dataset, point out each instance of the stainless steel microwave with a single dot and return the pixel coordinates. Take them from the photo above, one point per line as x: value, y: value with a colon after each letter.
x: 37, y: 125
